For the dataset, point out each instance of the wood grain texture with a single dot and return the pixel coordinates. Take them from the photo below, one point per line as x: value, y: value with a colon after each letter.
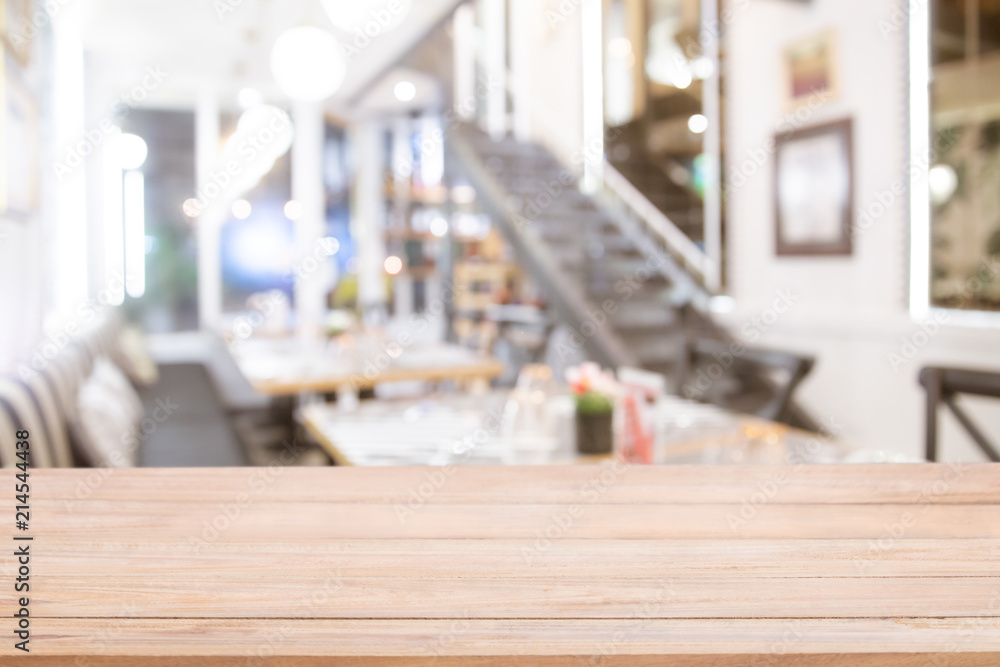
x: 505, y: 559
x: 617, y: 483
x: 841, y: 565
x: 269, y: 521
x: 330, y: 595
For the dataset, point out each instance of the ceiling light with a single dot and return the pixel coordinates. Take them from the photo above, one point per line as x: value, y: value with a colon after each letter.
x: 942, y: 181
x: 293, y: 210
x: 393, y: 265
x: 132, y: 151
x: 370, y: 17
x: 405, y: 91
x: 330, y: 245
x: 697, y: 123
x: 191, y: 207
x: 702, y: 67
x: 620, y: 47
x: 439, y: 226
x: 308, y: 64
x: 249, y: 97
x: 241, y: 209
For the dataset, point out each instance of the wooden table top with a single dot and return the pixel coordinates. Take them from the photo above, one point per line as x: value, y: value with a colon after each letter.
x: 287, y: 367
x: 891, y: 564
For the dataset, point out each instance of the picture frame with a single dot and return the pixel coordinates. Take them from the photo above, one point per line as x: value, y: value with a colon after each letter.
x: 19, y: 150
x: 814, y: 190
x: 14, y: 16
x: 811, y: 69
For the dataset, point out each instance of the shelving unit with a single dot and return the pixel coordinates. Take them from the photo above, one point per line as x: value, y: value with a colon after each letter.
x: 443, y: 241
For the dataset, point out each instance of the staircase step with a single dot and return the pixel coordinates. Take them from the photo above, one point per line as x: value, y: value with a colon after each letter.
x: 546, y: 182
x: 567, y: 204
x: 618, y: 267
x: 621, y: 290
x: 636, y: 315
x: 590, y: 250
x: 655, y: 347
x: 577, y: 231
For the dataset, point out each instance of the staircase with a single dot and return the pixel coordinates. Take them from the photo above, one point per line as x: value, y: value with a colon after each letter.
x: 628, y: 151
x: 629, y: 283
x: 624, y: 294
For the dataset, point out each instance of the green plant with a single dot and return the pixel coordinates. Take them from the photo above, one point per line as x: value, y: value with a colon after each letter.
x: 593, y: 403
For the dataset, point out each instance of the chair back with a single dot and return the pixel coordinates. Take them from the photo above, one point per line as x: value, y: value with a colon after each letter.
x: 944, y: 385
x: 755, y: 381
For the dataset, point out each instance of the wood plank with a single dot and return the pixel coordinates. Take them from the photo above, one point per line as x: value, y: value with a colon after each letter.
x: 536, y: 524
x: 504, y: 559
x: 873, y: 659
x: 436, y: 639
x: 844, y: 565
x: 833, y: 484
x: 235, y: 595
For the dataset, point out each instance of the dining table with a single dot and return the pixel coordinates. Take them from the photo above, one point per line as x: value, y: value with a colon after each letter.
x: 510, y: 427
x: 292, y: 366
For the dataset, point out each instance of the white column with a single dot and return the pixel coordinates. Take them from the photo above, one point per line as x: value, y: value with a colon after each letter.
x: 70, y: 250
x: 919, y: 130
x: 209, y: 222
x: 712, y: 146
x: 402, y: 171
x: 402, y: 158
x: 431, y: 150
x: 307, y: 189
x: 464, y: 27
x: 520, y: 66
x: 592, y: 43
x: 368, y: 219
x: 114, y: 223
x: 493, y: 22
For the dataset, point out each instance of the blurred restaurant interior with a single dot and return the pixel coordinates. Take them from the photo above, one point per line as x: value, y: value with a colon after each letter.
x: 494, y: 232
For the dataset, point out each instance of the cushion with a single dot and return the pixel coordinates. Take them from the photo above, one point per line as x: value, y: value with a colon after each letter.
x: 108, y: 374
x: 133, y: 355
x: 108, y: 412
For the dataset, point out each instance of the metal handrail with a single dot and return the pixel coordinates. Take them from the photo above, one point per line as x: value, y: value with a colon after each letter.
x: 564, y: 294
x: 618, y: 190
x: 657, y: 222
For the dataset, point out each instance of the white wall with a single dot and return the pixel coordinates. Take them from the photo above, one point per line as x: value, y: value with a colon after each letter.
x: 26, y: 278
x: 553, y: 36
x: 850, y: 311
x: 22, y: 287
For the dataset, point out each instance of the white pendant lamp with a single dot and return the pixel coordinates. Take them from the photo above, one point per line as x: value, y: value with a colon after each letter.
x: 308, y: 63
x: 372, y: 17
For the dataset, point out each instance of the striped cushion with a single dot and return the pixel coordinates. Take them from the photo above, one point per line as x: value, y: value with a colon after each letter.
x: 21, y: 407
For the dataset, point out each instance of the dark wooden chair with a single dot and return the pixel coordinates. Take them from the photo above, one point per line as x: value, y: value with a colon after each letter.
x: 756, y: 381
x: 943, y: 385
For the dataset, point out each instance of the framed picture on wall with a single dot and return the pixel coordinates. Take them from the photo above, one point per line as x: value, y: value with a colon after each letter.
x: 814, y: 190
x: 19, y: 157
x: 811, y: 69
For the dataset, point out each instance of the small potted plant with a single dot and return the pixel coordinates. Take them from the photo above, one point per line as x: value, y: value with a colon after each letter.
x: 595, y: 406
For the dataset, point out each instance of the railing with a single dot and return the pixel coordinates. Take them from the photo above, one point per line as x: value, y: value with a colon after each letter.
x: 532, y: 121
x: 657, y: 224
x: 565, y: 295
x: 624, y: 199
